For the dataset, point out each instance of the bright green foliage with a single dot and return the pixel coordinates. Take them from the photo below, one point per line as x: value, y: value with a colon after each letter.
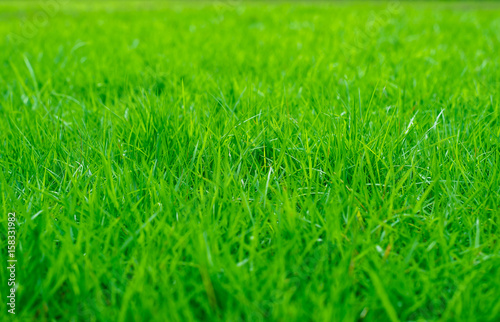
x: 289, y: 162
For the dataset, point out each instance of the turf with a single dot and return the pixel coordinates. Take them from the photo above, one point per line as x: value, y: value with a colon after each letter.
x: 229, y: 161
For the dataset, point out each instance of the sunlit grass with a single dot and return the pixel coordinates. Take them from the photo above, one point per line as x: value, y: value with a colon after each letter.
x: 284, y: 162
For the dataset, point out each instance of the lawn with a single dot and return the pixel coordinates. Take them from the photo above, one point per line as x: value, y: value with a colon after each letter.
x: 227, y: 161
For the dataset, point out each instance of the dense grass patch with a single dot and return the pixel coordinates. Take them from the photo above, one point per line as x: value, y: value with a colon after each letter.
x: 285, y: 162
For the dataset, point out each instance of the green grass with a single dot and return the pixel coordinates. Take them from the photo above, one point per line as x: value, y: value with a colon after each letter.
x: 288, y: 162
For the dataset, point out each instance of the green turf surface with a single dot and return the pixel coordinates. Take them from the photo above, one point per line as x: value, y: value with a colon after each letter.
x: 286, y: 162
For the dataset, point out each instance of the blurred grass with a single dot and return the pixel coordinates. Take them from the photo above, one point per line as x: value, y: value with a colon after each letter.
x: 283, y: 161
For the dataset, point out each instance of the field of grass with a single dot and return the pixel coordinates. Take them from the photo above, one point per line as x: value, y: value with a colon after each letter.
x: 228, y: 161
